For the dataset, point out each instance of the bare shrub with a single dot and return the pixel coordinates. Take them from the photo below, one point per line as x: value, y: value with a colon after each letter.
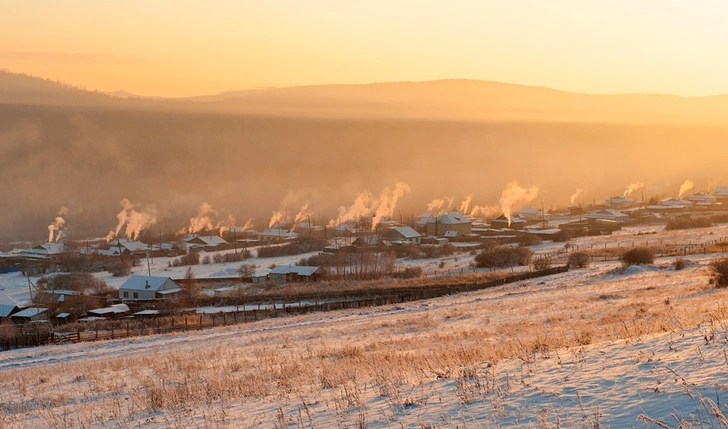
x: 688, y: 223
x: 408, y: 273
x: 637, y: 256
x: 206, y: 260
x: 679, y: 264
x: 246, y: 271
x: 719, y: 272
x: 578, y: 260
x: 503, y: 256
x: 119, y: 269
x: 542, y: 263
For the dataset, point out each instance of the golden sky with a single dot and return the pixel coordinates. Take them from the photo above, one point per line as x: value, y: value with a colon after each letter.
x: 185, y: 47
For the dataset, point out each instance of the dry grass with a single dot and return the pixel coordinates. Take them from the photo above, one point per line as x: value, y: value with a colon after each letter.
x: 393, y: 354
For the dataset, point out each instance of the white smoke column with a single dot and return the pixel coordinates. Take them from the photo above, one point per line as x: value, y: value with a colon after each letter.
x: 362, y: 206
x: 575, y: 195
x: 226, y: 224
x: 513, y: 194
x: 301, y: 216
x: 632, y: 187
x: 135, y: 221
x: 57, y: 226
x: 277, y: 217
x: 388, y: 202
x: 202, y: 220
x: 688, y: 185
x: 439, y: 206
x: 466, y: 204
x: 248, y: 225
x: 138, y: 222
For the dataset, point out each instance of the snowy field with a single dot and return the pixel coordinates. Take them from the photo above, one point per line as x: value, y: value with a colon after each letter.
x: 595, y: 347
x: 604, y: 347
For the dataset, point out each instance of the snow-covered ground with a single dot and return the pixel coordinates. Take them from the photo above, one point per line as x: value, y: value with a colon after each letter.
x: 595, y: 347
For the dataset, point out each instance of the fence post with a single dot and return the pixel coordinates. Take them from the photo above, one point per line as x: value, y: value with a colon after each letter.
x: 200, y: 321
x: 185, y: 323
x: 127, y: 328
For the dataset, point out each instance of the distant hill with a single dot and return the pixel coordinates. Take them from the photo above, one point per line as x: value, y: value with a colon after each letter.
x: 468, y: 100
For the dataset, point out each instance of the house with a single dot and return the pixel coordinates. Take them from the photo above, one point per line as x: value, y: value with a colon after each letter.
x: 121, y: 245
x: 404, y: 234
x: 294, y: 273
x: 111, y: 312
x: 721, y: 192
x: 275, y: 235
x: 33, y: 314
x: 702, y: 199
x: 457, y: 222
x: 209, y: 243
x: 529, y: 213
x: 502, y: 222
x: 370, y: 242
x: 607, y: 214
x: 619, y: 202
x: 53, y: 252
x: 149, y: 287
x: 7, y: 306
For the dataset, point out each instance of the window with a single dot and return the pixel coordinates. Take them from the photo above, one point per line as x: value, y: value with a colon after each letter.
x: 136, y: 295
x: 126, y: 294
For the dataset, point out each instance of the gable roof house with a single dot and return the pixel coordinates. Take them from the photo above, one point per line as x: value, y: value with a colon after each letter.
x: 128, y: 246
x: 403, y: 234
x: 442, y: 224
x: 529, y: 213
x: 501, y: 222
x: 208, y: 243
x: 294, y: 273
x: 619, y: 202
x: 53, y: 252
x: 32, y: 314
x: 276, y: 234
x: 149, y: 287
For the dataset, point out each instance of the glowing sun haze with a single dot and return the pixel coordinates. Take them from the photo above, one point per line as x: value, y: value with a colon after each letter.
x: 183, y: 48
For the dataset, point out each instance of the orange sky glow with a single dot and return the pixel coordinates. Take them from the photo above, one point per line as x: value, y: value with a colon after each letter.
x: 184, y: 48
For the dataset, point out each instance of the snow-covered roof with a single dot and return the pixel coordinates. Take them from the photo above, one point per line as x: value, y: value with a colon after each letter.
x: 294, y: 269
x: 30, y: 312
x: 207, y: 240
x: 45, y: 250
x: 450, y: 219
x: 113, y: 309
x: 606, y: 214
x: 145, y: 283
x: 407, y: 232
x: 132, y: 246
x: 282, y: 233
x: 529, y: 210
x: 7, y: 305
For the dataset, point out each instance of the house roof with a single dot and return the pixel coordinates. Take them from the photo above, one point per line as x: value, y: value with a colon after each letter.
x: 7, y: 305
x: 529, y: 210
x: 407, y: 232
x: 207, y: 240
x: 450, y: 219
x: 294, y: 269
x: 113, y: 309
x: 30, y: 312
x: 622, y: 199
x: 283, y: 233
x: 146, y: 283
x: 132, y: 246
x: 503, y: 218
x: 606, y: 214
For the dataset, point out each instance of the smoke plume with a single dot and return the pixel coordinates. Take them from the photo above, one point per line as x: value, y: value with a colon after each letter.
x: 56, y: 229
x: 465, y: 205
x: 514, y: 194
x: 203, y: 220
x: 132, y: 220
x: 366, y: 205
x: 388, y: 202
x: 575, y: 195
x: 439, y: 206
x: 485, y: 211
x: 632, y: 187
x: 685, y: 187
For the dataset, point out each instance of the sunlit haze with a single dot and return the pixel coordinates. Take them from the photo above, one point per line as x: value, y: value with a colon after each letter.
x: 184, y: 48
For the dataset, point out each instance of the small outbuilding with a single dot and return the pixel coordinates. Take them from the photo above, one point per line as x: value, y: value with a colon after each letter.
x: 294, y: 273
x: 33, y: 314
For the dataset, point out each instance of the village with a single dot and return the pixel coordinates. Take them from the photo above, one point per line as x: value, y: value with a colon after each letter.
x: 201, y: 272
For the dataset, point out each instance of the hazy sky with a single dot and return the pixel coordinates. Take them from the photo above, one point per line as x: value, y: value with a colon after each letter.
x: 183, y: 47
